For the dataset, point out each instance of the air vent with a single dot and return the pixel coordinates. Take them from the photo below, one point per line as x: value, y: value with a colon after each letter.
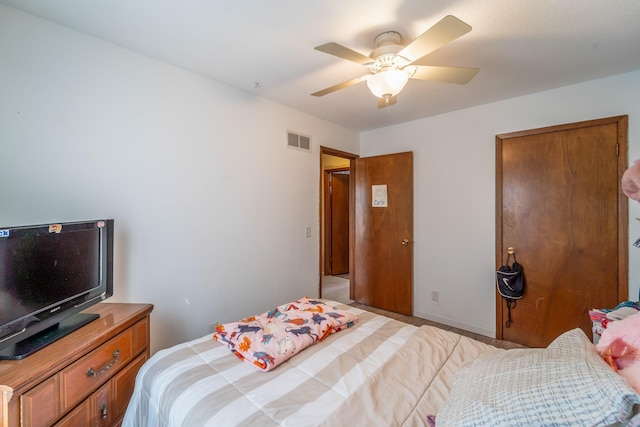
x: 301, y: 142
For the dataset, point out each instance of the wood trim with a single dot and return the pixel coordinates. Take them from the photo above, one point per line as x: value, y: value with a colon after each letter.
x: 498, y: 231
x: 623, y: 202
x: 623, y: 210
x: 320, y: 239
x: 5, y: 396
x: 352, y: 229
x: 563, y: 127
x: 338, y: 153
x: 324, y: 266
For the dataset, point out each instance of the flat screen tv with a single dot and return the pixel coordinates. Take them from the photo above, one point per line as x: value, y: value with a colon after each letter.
x: 48, y: 275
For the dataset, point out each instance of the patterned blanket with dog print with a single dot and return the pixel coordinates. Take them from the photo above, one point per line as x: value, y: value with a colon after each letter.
x: 270, y: 338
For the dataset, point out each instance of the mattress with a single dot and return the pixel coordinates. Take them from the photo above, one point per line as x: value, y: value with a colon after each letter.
x: 379, y: 372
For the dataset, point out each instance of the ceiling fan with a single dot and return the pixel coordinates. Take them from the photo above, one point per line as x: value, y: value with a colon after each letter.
x: 392, y: 64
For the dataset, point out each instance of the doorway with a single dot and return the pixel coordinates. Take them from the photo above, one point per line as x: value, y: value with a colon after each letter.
x: 335, y: 222
x: 380, y: 233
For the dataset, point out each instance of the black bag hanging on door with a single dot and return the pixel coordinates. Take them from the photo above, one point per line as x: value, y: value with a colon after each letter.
x: 510, y: 283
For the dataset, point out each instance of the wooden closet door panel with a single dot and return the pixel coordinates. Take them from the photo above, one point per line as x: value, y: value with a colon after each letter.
x: 559, y: 205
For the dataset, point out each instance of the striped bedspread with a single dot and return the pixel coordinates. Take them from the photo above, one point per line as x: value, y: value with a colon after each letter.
x: 379, y: 372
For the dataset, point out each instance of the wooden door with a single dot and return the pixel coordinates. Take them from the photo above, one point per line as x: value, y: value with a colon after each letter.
x: 560, y: 206
x: 339, y: 223
x: 383, y: 241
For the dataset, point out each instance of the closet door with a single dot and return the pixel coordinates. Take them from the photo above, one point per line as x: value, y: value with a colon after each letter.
x: 559, y: 204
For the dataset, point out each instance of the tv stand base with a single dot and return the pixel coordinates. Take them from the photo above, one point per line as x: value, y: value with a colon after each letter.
x: 24, y: 348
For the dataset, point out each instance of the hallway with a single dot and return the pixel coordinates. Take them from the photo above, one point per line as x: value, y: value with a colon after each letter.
x: 336, y: 288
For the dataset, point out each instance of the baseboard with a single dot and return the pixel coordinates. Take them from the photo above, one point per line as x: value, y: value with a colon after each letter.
x: 452, y: 322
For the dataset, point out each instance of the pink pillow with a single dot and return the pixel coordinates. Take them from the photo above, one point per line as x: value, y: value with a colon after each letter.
x: 620, y: 347
x: 631, y: 181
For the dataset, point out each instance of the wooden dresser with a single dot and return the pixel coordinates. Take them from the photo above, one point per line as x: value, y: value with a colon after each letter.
x: 83, y: 379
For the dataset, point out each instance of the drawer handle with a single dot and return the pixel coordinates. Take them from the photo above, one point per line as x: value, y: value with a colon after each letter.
x: 103, y: 411
x: 92, y: 373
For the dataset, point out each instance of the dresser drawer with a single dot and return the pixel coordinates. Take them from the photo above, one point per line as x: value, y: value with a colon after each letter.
x: 52, y: 388
x: 102, y: 407
x: 80, y: 416
x: 88, y: 373
x: 123, y: 385
x: 40, y: 405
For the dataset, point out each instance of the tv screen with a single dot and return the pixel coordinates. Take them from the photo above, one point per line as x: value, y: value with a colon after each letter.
x: 49, y: 273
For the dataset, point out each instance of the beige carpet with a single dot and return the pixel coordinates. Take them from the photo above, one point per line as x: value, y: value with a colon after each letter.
x: 336, y: 288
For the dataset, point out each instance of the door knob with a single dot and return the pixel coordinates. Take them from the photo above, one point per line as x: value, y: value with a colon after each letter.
x: 405, y: 242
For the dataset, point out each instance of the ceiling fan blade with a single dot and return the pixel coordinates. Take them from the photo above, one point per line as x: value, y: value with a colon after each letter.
x: 457, y: 75
x: 342, y: 85
x: 444, y: 31
x: 387, y: 102
x: 344, y: 52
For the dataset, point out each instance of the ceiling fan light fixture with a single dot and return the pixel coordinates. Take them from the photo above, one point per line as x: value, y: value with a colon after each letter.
x: 387, y: 83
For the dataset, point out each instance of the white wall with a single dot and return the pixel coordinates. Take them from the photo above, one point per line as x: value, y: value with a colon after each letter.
x: 210, y: 206
x: 454, y: 178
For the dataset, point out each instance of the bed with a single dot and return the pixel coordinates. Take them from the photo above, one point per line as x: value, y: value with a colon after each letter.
x: 383, y: 372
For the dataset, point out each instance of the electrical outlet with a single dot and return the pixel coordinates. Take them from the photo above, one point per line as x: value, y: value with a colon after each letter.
x: 213, y: 326
x: 435, y: 296
x: 307, y: 231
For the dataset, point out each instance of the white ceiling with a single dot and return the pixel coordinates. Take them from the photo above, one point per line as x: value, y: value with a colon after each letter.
x: 266, y: 46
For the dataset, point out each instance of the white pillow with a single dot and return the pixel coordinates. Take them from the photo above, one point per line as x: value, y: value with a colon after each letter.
x: 566, y: 384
